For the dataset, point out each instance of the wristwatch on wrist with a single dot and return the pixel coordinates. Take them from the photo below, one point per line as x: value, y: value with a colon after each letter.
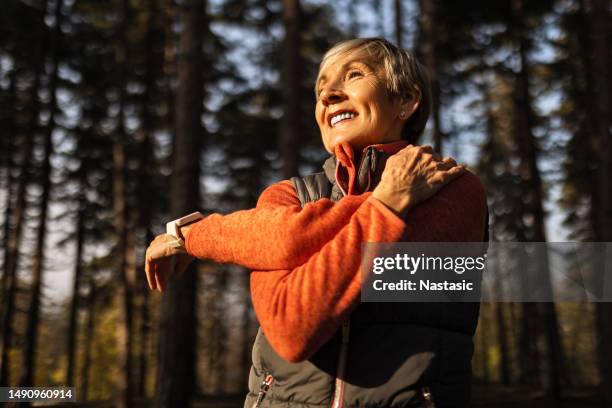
x: 173, y: 227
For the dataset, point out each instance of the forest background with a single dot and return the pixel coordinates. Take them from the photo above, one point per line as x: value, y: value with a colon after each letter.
x: 117, y: 116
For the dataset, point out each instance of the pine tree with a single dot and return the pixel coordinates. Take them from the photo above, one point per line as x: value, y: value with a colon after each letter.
x: 176, y: 373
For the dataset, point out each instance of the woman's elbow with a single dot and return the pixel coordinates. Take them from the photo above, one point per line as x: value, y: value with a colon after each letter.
x: 291, y: 252
x: 295, y: 356
x: 291, y: 338
x: 290, y: 347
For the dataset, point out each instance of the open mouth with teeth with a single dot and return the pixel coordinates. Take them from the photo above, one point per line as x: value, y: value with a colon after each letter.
x: 340, y: 117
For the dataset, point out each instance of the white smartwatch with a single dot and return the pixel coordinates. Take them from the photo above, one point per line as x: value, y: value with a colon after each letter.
x: 173, y: 227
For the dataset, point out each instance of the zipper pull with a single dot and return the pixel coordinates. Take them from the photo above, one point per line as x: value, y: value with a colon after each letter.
x: 263, y: 389
x: 427, y: 398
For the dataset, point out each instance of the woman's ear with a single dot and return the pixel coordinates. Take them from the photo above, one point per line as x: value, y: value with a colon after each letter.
x: 409, y: 104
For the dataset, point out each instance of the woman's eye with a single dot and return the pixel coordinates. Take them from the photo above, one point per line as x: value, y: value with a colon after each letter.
x: 353, y: 74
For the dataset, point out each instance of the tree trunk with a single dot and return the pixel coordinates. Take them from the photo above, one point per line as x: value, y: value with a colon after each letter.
x: 176, y: 366
x: 529, y: 355
x: 143, y: 211
x: 8, y: 210
x: 290, y: 134
x: 247, y: 344
x: 399, y: 33
x: 484, y: 346
x: 169, y: 66
x: 124, y: 293
x: 428, y: 41
x: 89, y: 337
x: 10, y: 276
x: 529, y: 172
x: 502, y: 337
x: 29, y: 351
x: 493, y: 146
x: 134, y: 325
x: 78, y: 271
x: 599, y: 22
x: 145, y: 332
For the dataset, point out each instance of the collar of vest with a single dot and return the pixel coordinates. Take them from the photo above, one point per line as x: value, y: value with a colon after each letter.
x: 356, y: 175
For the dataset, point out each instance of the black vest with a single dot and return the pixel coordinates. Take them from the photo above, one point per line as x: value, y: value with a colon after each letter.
x: 393, y: 355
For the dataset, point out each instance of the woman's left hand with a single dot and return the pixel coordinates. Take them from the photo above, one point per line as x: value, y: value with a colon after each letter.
x: 164, y: 258
x: 412, y: 175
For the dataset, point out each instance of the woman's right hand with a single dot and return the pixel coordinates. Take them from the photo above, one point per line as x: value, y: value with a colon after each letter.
x: 412, y: 175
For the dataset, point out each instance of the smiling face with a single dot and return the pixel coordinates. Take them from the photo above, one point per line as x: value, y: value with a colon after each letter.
x: 354, y: 106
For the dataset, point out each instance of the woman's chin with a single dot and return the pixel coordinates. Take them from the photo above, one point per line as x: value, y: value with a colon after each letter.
x: 354, y: 142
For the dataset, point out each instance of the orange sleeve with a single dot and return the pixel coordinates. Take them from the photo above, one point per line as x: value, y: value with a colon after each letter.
x: 300, y: 309
x: 277, y: 234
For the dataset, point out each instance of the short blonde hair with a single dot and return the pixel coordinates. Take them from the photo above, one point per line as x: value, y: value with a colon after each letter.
x: 403, y: 72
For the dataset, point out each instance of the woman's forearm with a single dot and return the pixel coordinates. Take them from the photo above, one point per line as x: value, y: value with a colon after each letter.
x: 277, y: 234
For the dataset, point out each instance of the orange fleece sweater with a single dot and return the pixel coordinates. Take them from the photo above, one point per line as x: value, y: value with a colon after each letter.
x: 306, y: 279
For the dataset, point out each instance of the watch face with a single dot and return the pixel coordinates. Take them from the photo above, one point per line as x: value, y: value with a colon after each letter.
x: 170, y: 228
x: 174, y: 229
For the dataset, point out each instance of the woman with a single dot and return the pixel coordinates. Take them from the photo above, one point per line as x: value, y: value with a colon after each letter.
x: 303, y: 243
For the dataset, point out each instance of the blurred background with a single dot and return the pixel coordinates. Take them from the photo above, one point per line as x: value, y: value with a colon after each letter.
x: 117, y: 116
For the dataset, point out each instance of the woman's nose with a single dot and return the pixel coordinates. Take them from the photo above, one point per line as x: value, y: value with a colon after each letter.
x: 332, y: 95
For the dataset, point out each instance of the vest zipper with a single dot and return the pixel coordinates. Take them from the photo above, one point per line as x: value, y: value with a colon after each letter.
x: 263, y: 389
x: 339, y: 383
